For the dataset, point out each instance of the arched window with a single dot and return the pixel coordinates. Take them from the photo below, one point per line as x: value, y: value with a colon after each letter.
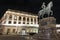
x: 23, y: 22
x: 15, y: 17
x: 19, y: 17
x: 23, y: 18
x: 31, y: 20
x: 35, y: 20
x: 27, y: 20
x: 14, y: 22
x: 9, y: 22
x: 10, y: 16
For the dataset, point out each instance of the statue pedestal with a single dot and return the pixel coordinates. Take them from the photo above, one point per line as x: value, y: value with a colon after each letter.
x: 47, y: 29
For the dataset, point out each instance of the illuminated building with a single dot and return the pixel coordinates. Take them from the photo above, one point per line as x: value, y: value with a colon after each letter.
x: 18, y: 22
x: 58, y: 28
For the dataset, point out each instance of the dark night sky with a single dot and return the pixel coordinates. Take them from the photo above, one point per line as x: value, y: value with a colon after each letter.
x: 30, y: 6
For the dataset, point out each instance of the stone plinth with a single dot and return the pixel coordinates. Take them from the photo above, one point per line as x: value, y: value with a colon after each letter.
x: 47, y: 29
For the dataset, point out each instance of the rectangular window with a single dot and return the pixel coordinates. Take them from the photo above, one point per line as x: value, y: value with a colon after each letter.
x: 14, y: 22
x: 9, y: 22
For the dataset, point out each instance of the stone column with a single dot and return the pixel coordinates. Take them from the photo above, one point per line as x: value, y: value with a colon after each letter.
x: 17, y: 19
x: 12, y: 19
x: 36, y: 20
x: 29, y: 20
x: 26, y: 20
x: 21, y: 19
x: 17, y: 26
x: 33, y: 20
x: 7, y: 19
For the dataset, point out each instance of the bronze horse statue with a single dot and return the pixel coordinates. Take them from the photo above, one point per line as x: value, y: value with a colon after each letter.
x: 46, y: 10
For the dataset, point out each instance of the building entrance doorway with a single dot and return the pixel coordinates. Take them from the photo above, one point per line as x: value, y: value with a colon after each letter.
x: 23, y: 32
x: 8, y: 31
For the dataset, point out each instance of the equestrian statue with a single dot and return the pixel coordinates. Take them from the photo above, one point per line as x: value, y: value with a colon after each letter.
x: 46, y: 10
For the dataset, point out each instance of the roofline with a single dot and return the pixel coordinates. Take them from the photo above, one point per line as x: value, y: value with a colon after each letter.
x: 21, y: 12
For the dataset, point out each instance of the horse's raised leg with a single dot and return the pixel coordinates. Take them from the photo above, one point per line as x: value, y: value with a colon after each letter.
x: 48, y: 14
x: 51, y: 12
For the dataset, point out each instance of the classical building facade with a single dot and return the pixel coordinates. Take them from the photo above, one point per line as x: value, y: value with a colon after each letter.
x: 58, y: 28
x: 18, y: 22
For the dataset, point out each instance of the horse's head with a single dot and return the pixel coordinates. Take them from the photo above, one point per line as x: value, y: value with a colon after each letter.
x: 50, y: 4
